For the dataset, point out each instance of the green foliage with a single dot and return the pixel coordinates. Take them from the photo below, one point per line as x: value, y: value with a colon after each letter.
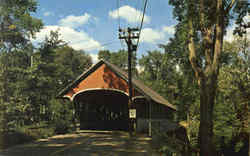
x: 104, y: 54
x: 61, y: 119
x: 16, y: 28
x: 62, y: 126
x: 204, y: 24
x: 14, y: 100
x: 31, y: 80
x: 120, y: 59
x: 70, y: 64
x: 169, y: 74
x: 17, y: 24
x: 232, y: 109
x: 54, y: 66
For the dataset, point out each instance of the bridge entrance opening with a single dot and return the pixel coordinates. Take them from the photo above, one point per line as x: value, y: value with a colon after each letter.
x: 102, y: 109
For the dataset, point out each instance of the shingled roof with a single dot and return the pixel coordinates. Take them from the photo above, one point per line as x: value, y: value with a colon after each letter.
x: 138, y: 85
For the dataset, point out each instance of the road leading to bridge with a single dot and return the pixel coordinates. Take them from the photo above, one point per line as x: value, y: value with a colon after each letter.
x: 86, y: 143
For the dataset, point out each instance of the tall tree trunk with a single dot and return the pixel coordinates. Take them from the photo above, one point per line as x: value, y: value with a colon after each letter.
x: 249, y: 143
x: 207, y: 100
x: 248, y: 129
x: 207, y: 81
x: 212, y: 39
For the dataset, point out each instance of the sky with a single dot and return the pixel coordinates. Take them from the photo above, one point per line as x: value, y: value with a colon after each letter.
x: 92, y: 25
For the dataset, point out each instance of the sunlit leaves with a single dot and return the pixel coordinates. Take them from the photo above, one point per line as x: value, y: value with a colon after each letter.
x: 17, y: 24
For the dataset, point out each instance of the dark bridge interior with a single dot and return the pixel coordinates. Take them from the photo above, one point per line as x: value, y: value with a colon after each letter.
x: 102, y: 109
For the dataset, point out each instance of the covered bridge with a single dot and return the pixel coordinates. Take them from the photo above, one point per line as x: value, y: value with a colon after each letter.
x: 100, y: 97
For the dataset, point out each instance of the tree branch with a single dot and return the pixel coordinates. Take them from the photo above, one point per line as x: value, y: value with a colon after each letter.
x: 206, y: 34
x: 218, y: 36
x: 230, y: 6
x: 202, y: 15
x: 208, y: 45
x: 191, y: 46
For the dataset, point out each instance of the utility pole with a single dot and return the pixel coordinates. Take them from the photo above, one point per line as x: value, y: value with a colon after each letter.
x: 128, y: 35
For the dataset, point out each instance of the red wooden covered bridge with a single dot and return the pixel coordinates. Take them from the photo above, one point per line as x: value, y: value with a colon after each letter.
x: 100, y: 97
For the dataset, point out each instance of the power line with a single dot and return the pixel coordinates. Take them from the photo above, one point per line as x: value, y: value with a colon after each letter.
x: 142, y: 19
x: 138, y: 17
x: 128, y: 35
x: 119, y: 22
x: 104, y: 44
x: 118, y: 14
x: 144, y: 10
x: 141, y: 9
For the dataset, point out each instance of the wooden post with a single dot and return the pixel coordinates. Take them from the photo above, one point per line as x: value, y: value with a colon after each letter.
x: 128, y: 35
x: 150, y: 121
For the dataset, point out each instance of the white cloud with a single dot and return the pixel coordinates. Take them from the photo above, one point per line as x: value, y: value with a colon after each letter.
x: 78, y: 40
x: 94, y: 58
x: 130, y: 14
x: 151, y: 36
x: 169, y: 29
x: 74, y: 21
x: 48, y: 13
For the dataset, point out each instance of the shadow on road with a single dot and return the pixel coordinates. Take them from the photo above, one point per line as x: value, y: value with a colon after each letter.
x: 92, y: 143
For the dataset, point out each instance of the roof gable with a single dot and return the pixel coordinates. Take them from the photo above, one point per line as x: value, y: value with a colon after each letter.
x: 106, y: 75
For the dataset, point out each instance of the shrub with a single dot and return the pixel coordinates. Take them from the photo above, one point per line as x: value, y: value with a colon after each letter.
x: 62, y: 126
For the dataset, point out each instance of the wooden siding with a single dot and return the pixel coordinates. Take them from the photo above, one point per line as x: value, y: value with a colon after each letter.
x: 103, y: 77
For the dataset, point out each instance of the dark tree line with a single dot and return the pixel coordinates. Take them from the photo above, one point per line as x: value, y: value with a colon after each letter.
x: 32, y: 75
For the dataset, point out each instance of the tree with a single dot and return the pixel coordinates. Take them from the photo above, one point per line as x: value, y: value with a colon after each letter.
x: 152, y: 64
x: 55, y: 65
x: 30, y: 80
x: 185, y: 90
x: 205, y: 35
x: 159, y: 72
x: 169, y: 74
x: 104, y: 54
x: 119, y: 59
x: 17, y: 25
x: 234, y: 93
x: 71, y: 64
